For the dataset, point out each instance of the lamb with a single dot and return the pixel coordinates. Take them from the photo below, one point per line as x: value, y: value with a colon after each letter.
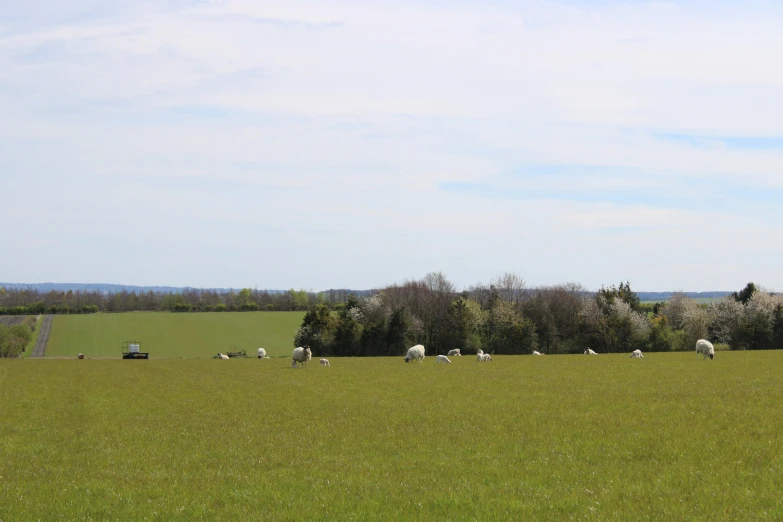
x: 415, y: 353
x: 536, y: 352
x: 483, y: 357
x: 637, y: 354
x: 324, y: 362
x: 705, y: 349
x: 442, y: 359
x: 300, y: 356
x: 588, y: 351
x: 480, y: 355
x: 261, y: 353
x: 222, y: 356
x: 455, y: 352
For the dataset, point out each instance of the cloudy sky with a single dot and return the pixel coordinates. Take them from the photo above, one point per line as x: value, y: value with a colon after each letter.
x: 318, y: 144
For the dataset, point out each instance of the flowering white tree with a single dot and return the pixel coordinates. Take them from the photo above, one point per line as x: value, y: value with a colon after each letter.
x: 695, y: 323
x: 590, y: 313
x: 638, y: 322
x: 725, y: 316
x: 677, y: 308
x: 374, y: 309
x: 762, y: 305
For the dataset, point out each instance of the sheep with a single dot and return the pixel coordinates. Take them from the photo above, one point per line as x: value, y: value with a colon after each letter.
x: 300, y: 356
x: 415, y: 353
x: 222, y: 356
x: 261, y: 353
x: 480, y: 355
x: 536, y: 352
x: 454, y: 352
x: 637, y: 354
x: 483, y: 357
x: 705, y: 349
x: 588, y: 351
x: 442, y: 359
x: 324, y: 362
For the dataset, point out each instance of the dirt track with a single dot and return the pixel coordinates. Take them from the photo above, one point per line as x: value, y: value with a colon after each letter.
x: 43, y: 337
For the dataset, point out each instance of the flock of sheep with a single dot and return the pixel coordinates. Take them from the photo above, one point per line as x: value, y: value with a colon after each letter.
x: 302, y: 355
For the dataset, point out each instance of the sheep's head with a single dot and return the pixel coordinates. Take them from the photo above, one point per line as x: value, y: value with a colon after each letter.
x: 712, y: 356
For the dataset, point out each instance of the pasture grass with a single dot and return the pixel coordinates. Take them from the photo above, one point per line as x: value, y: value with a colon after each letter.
x: 167, y: 334
x: 667, y: 437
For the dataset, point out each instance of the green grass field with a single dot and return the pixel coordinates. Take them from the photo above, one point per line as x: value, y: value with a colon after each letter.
x: 667, y: 437
x: 166, y: 334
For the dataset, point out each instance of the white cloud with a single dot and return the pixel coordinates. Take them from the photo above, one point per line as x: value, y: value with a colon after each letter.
x: 190, y: 128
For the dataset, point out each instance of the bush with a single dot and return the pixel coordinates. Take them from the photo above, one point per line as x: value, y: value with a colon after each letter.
x: 14, y: 339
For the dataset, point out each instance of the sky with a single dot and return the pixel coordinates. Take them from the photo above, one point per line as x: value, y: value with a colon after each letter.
x: 347, y: 144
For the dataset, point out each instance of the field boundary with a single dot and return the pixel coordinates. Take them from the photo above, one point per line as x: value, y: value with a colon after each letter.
x: 43, y: 337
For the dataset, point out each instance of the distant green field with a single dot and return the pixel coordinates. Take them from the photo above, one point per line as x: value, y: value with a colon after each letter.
x: 166, y: 334
x: 700, y: 300
x: 667, y: 437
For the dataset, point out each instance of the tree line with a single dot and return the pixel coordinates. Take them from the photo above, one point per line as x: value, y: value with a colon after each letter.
x: 15, y: 301
x: 507, y: 317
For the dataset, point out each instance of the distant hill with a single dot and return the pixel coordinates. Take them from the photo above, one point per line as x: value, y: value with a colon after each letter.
x: 665, y: 296
x: 113, y: 288
x: 108, y: 288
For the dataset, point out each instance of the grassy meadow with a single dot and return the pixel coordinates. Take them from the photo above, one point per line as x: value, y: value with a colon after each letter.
x: 166, y: 334
x: 667, y: 437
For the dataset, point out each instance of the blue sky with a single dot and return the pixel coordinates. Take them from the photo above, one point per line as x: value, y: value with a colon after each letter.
x: 309, y: 144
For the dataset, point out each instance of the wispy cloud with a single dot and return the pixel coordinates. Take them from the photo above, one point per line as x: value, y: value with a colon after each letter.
x: 352, y: 144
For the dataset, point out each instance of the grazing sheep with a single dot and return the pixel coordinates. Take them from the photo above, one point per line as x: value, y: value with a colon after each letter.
x: 324, y: 362
x: 637, y: 354
x: 588, y: 351
x: 536, y: 352
x: 483, y: 357
x: 705, y: 348
x: 415, y: 353
x: 442, y: 359
x: 261, y: 353
x: 455, y: 352
x: 222, y: 356
x: 301, y: 356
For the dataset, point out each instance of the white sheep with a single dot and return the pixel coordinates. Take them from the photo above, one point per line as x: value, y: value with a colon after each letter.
x: 324, y: 362
x: 300, y: 356
x: 222, y: 356
x: 261, y: 353
x: 442, y: 359
x: 589, y: 351
x: 705, y: 349
x: 536, y: 352
x: 480, y: 355
x: 637, y: 354
x: 415, y: 353
x: 454, y: 352
x: 483, y: 357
